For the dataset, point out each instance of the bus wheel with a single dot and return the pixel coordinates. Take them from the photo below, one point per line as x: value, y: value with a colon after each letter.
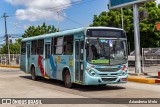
x: 33, y: 74
x: 67, y: 79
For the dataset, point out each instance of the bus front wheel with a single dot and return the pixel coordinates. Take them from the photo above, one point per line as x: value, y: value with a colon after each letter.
x: 33, y: 74
x: 67, y: 79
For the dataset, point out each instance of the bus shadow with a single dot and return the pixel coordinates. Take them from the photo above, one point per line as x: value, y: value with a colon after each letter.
x: 84, y: 88
x: 48, y: 81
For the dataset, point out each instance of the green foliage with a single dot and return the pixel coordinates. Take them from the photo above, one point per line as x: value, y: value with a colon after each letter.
x: 39, y: 30
x: 150, y: 37
x: 14, y: 48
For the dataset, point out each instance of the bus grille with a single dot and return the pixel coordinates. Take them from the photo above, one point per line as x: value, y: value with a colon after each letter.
x: 108, y: 69
x: 105, y: 75
x: 109, y: 79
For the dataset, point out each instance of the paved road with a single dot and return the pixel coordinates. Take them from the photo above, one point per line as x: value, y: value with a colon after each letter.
x: 16, y: 84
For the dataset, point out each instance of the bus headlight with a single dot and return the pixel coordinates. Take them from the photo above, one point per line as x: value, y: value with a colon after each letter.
x: 92, y: 73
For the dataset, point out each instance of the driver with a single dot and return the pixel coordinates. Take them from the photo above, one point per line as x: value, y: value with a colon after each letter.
x: 94, y: 51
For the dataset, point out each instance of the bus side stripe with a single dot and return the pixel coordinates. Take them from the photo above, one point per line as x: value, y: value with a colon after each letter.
x: 40, y: 65
x: 53, y: 65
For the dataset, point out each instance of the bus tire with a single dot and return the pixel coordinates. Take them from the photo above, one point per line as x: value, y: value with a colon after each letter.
x: 33, y: 73
x: 67, y: 79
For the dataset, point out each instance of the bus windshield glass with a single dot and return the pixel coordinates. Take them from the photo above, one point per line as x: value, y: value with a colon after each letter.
x: 106, y: 51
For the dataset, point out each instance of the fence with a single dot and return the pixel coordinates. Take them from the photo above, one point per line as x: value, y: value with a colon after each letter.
x: 14, y: 59
x: 151, y: 59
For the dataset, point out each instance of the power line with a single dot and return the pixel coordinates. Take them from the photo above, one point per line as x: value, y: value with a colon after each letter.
x: 54, y: 8
x: 72, y: 3
x: 73, y: 21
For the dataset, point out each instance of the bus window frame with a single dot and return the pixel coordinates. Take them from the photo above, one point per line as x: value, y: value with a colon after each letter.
x: 23, y: 48
x: 40, y: 48
x: 34, y: 46
x: 55, y: 45
x: 71, y: 38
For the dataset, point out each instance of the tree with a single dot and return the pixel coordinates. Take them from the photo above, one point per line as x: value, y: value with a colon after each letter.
x: 14, y: 48
x: 150, y: 37
x: 39, y: 30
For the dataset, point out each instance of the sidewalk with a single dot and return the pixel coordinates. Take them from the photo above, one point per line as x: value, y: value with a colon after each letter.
x: 150, y: 76
x: 9, y: 66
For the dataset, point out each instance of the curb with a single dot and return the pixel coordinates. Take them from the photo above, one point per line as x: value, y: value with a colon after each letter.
x: 9, y: 66
x: 157, y: 81
x: 142, y: 80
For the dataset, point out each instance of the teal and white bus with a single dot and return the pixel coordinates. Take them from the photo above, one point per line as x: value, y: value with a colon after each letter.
x: 87, y: 56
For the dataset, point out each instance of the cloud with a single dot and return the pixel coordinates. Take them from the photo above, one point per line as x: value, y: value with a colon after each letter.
x: 76, y: 0
x: 33, y: 14
x: 40, y: 9
x: 158, y: 1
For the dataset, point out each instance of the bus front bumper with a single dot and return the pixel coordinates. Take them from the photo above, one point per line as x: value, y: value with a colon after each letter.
x: 95, y: 80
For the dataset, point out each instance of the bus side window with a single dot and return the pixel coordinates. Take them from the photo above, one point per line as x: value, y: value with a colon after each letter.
x: 34, y: 47
x: 23, y: 48
x: 68, y: 45
x: 40, y: 47
x: 47, y: 50
x: 58, y: 45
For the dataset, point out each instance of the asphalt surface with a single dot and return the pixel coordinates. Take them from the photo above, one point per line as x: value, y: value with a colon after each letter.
x: 16, y: 84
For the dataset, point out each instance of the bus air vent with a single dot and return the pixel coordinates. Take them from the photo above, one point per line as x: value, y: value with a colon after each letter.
x: 108, y: 69
x: 109, y: 79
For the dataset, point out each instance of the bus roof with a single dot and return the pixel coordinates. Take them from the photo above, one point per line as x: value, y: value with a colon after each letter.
x: 66, y: 32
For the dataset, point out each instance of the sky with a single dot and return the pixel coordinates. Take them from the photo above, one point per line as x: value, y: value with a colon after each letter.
x: 158, y: 1
x: 72, y: 13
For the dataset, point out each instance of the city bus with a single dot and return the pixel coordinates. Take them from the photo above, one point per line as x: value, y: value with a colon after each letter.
x: 86, y: 56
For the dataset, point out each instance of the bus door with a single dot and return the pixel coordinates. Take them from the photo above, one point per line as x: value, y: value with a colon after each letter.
x: 28, y: 58
x: 79, y: 50
x: 47, y: 66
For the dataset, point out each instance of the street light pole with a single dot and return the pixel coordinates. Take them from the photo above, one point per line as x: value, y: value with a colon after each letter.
x: 58, y: 20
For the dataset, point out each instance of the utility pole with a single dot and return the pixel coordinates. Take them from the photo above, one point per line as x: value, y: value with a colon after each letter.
x: 7, y: 38
x: 137, y: 39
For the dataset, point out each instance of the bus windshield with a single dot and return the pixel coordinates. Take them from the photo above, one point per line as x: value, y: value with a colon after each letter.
x: 106, y: 51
